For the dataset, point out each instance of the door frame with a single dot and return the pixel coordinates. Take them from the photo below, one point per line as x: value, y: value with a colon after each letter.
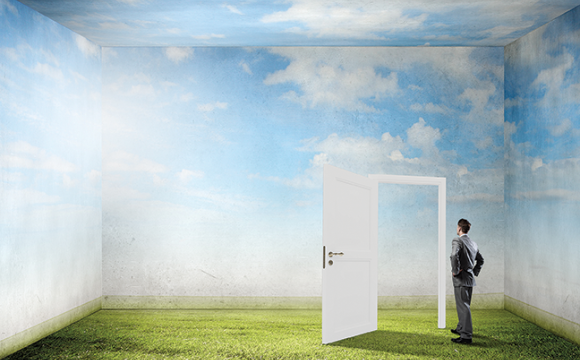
x: 440, y: 182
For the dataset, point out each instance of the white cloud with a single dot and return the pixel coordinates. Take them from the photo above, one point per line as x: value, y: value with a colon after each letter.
x: 484, y: 143
x: 232, y: 9
x: 67, y: 181
x: 178, y: 54
x: 186, y: 176
x: 347, y: 152
x: 78, y: 76
x: 513, y: 102
x: 562, y: 128
x: 429, y: 108
x: 557, y: 194
x: 48, y: 70
x: 131, y: 2
x: 49, y: 56
x: 504, y: 32
x: 479, y: 99
x: 330, y: 77
x: 479, y: 197
x: 553, y: 78
x: 369, y: 155
x: 462, y: 171
x: 87, y: 47
x: 168, y: 84
x: 347, y: 19
x: 187, y: 97
x: 208, y: 36
x: 115, y: 26
x: 423, y: 137
x: 23, y: 197
x: 310, y: 179
x: 209, y: 107
x: 124, y: 161
x: 21, y: 154
x: 15, y: 54
x: 539, y: 179
x: 245, y: 67
x: 142, y: 90
x: 536, y: 164
x: 353, y: 78
x: 510, y: 128
x: 9, y: 6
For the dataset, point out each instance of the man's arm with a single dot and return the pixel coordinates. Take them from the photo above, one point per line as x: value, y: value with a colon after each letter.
x: 455, y: 248
x: 478, y: 263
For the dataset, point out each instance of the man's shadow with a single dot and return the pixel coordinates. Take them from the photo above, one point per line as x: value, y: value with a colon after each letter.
x: 411, y: 343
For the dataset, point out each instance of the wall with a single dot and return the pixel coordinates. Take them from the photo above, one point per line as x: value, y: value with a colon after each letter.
x: 50, y: 167
x: 212, y: 163
x: 542, y: 109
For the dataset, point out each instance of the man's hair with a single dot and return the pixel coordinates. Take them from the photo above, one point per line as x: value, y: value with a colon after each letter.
x: 465, y: 225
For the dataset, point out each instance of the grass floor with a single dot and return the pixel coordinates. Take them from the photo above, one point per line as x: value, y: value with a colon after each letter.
x: 291, y: 334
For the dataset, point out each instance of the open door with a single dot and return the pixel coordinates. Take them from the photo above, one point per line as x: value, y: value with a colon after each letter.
x: 349, y: 275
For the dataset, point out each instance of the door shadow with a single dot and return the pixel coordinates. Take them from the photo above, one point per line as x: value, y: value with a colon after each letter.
x: 412, y: 343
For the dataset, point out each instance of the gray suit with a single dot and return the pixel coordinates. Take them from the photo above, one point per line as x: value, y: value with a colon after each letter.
x: 466, y: 262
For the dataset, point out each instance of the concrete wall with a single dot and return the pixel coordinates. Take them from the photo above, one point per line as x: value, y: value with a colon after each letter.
x: 212, y: 163
x: 50, y: 165
x: 542, y: 116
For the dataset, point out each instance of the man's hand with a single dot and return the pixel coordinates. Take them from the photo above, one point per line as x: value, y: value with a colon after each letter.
x: 460, y: 270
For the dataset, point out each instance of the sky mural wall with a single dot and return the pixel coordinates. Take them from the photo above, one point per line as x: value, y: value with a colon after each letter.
x: 543, y: 166
x: 50, y: 169
x: 212, y: 163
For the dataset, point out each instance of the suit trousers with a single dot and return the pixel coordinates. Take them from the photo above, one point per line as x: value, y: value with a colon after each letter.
x: 463, y: 305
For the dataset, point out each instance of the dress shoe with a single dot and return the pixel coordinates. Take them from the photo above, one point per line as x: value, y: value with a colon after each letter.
x: 455, y: 332
x: 461, y: 341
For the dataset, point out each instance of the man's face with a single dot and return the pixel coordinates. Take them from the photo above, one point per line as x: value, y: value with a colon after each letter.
x: 458, y: 230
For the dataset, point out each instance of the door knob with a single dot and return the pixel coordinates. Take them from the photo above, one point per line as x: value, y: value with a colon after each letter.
x: 331, y: 254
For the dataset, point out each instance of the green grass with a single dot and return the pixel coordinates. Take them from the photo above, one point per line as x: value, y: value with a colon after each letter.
x: 291, y: 334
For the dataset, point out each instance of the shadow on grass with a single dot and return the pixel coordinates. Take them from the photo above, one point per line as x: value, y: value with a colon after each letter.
x: 414, y: 344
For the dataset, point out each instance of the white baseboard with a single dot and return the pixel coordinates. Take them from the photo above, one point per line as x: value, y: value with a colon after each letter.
x: 553, y: 323
x: 426, y: 302
x: 116, y: 302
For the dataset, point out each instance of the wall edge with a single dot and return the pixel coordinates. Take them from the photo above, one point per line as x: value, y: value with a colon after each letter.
x: 31, y: 335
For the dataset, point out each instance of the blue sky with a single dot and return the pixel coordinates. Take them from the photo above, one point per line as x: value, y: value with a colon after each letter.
x: 211, y: 153
x: 303, y: 103
x: 302, y: 22
x: 543, y: 166
x: 543, y: 105
x: 225, y: 146
x: 50, y: 169
x: 50, y: 129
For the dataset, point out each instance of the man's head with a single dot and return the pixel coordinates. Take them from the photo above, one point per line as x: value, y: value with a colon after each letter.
x: 463, y: 226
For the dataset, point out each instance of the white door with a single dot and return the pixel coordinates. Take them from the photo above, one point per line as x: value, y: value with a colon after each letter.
x: 349, y: 275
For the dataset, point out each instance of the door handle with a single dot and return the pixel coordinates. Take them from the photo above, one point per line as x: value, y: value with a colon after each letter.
x: 331, y: 254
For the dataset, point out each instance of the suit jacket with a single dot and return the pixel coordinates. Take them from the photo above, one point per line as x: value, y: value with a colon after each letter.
x: 465, y: 256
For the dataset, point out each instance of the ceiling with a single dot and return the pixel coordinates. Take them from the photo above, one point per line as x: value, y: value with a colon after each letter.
x: 302, y: 22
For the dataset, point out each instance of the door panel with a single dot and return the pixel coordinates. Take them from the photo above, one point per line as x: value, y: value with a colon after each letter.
x: 349, y: 284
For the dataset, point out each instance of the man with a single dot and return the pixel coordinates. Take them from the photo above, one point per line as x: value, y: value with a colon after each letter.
x: 466, y: 262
